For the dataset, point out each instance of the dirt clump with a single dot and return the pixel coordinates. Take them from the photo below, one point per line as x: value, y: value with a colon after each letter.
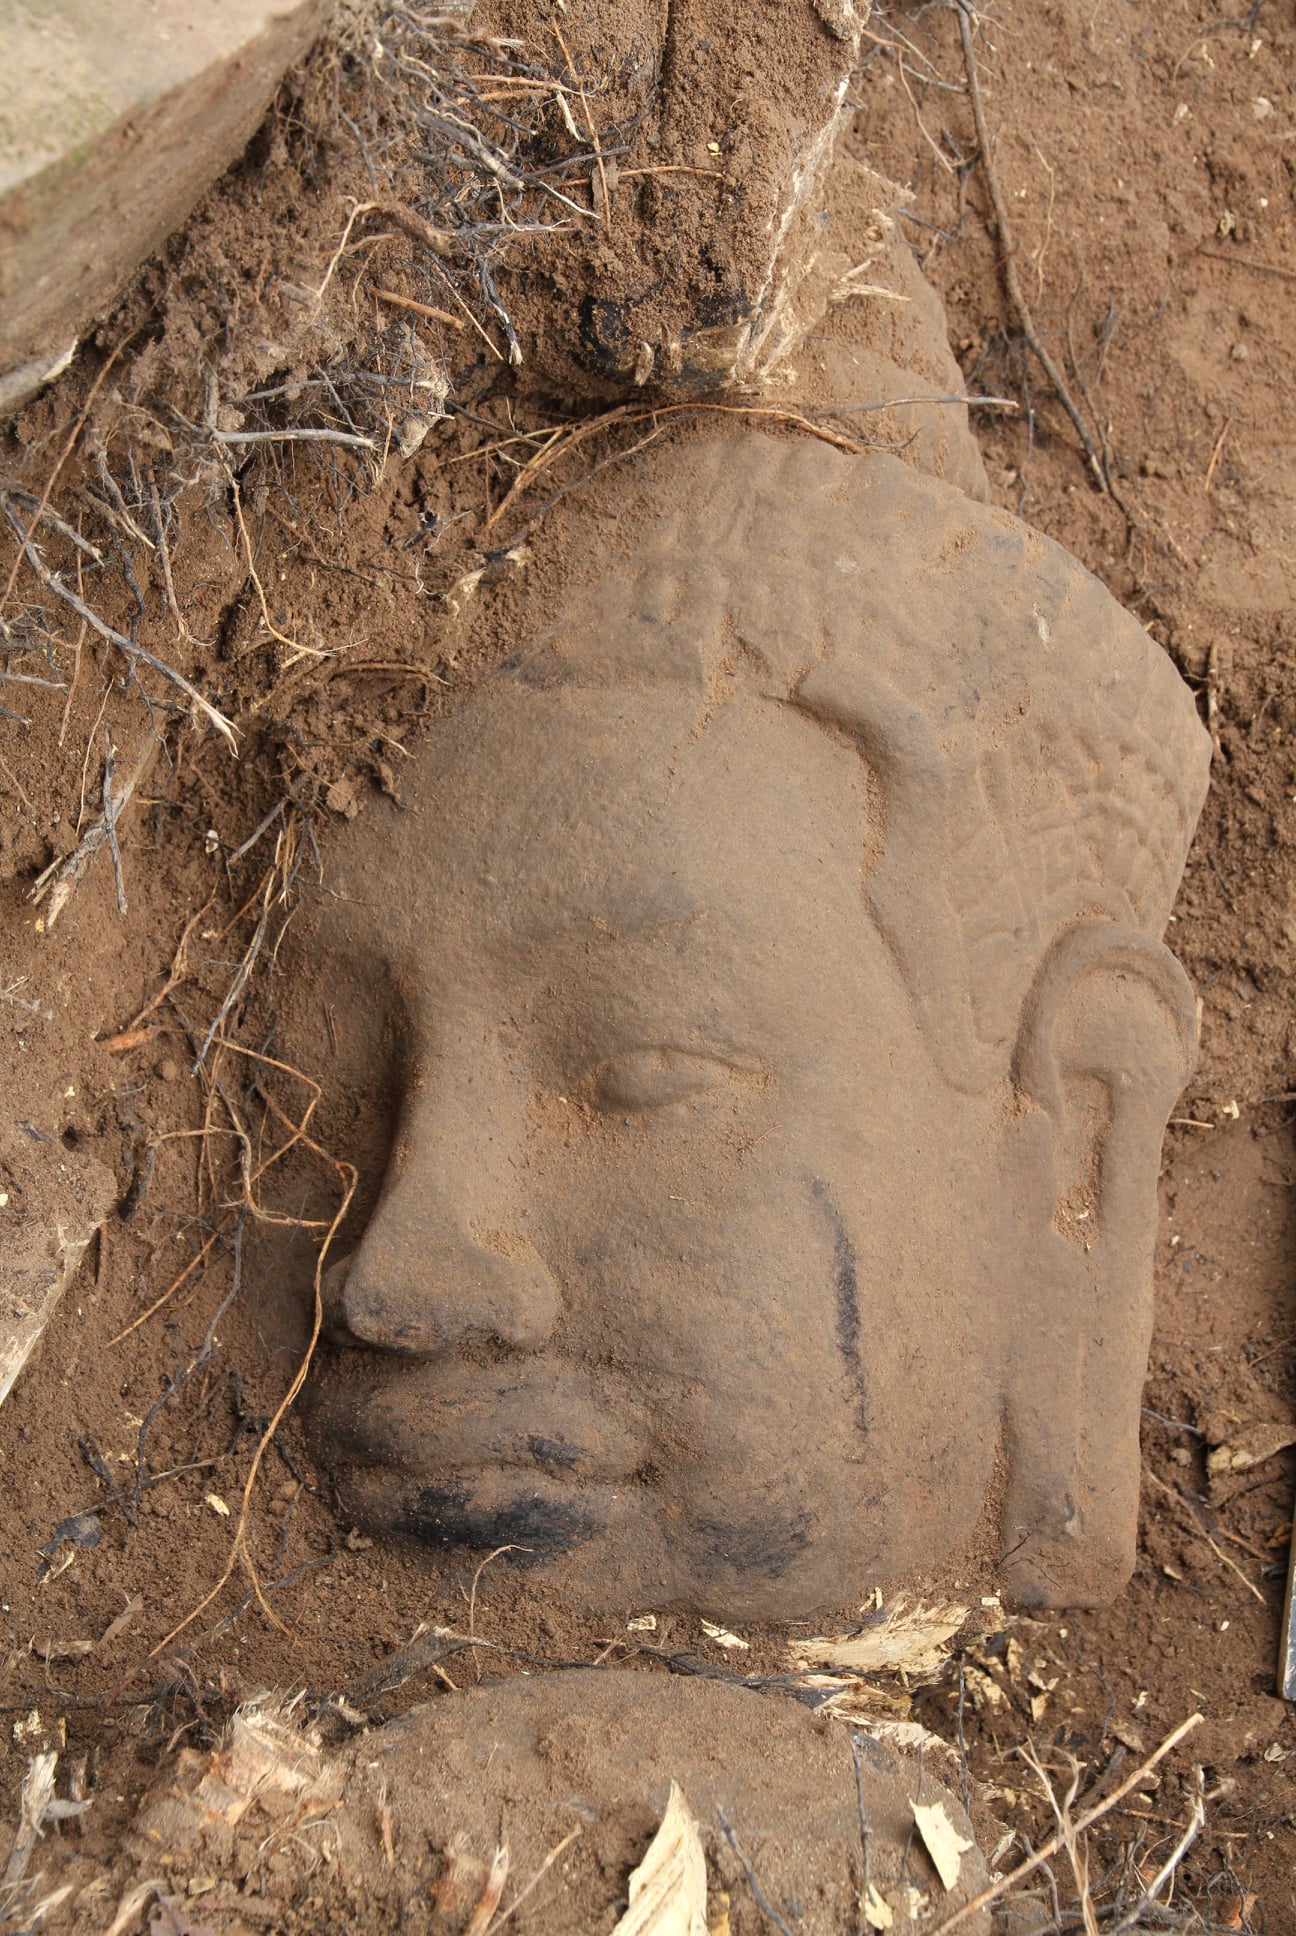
x: 546, y: 1793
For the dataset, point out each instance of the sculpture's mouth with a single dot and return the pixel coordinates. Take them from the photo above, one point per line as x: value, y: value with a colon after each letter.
x: 443, y: 1425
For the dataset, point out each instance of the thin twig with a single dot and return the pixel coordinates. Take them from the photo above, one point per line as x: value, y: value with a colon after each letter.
x: 419, y: 308
x: 1250, y: 262
x: 518, y: 1900
x: 133, y: 652
x: 295, y: 647
x: 589, y: 120
x: 472, y: 1597
x: 1215, y: 454
x: 349, y: 439
x: 669, y: 168
x: 112, y: 807
x: 1196, y: 1822
x: 61, y: 880
x: 17, y: 785
x: 179, y: 972
x: 578, y: 483
x: 64, y: 454
x: 763, y: 1902
x: 1067, y: 1830
x: 359, y: 209
x: 242, y: 973
x: 943, y: 159
x: 239, y: 1553
x: 630, y: 414
x: 866, y: 1836
x: 419, y: 1657
x: 164, y: 558
x: 897, y: 403
x: 77, y: 644
x: 1176, y: 1497
x: 167, y: 1294
x: 65, y: 530
x: 1008, y: 258
x: 494, y: 348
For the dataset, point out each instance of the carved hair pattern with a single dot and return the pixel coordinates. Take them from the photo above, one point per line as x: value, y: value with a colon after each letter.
x: 1039, y: 759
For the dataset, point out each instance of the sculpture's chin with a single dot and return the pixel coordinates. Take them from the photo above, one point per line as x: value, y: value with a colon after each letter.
x: 601, y: 1546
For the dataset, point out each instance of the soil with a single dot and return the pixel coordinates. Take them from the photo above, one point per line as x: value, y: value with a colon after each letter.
x: 327, y: 603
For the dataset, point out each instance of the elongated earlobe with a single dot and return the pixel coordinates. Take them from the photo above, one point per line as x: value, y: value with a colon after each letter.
x: 1083, y: 970
x: 1107, y: 1042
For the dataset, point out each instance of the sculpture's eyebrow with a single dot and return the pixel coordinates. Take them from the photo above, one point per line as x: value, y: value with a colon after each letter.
x: 643, y: 924
x: 619, y: 918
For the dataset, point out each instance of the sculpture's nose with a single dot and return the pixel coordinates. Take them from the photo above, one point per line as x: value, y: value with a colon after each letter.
x: 444, y: 1256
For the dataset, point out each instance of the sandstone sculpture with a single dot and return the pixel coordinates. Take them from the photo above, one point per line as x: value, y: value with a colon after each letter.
x: 768, y: 1038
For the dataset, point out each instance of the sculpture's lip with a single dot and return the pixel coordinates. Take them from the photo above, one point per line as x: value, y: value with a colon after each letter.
x: 484, y: 1508
x: 537, y: 1417
x: 518, y: 1464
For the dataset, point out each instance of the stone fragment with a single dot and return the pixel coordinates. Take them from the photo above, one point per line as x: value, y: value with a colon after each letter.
x: 52, y: 1200
x: 113, y: 120
x: 581, y: 1766
x: 790, y: 1305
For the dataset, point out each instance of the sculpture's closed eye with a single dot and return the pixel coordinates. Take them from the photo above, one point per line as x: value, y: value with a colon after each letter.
x: 652, y: 1078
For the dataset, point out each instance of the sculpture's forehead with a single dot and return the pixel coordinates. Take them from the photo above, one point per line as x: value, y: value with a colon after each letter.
x: 537, y: 812
x: 619, y: 868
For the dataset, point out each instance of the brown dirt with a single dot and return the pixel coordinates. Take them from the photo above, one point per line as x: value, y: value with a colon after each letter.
x: 1145, y: 154
x: 707, y: 110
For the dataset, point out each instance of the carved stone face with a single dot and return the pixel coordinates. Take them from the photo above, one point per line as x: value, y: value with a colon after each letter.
x: 696, y: 1270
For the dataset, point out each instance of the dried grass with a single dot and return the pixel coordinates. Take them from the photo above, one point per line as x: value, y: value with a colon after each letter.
x: 459, y: 177
x: 1132, y: 1895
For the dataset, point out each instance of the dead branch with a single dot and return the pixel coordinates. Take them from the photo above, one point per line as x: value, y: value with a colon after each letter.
x: 61, y: 880
x: 1008, y: 258
x: 1055, y: 1842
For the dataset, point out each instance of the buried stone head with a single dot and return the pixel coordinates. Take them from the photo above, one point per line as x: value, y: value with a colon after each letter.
x: 767, y: 1038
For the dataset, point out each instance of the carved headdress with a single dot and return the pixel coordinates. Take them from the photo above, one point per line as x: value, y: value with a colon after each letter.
x: 1035, y: 756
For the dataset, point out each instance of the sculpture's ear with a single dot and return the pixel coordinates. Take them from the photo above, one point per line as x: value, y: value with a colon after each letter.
x: 1108, y: 1039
